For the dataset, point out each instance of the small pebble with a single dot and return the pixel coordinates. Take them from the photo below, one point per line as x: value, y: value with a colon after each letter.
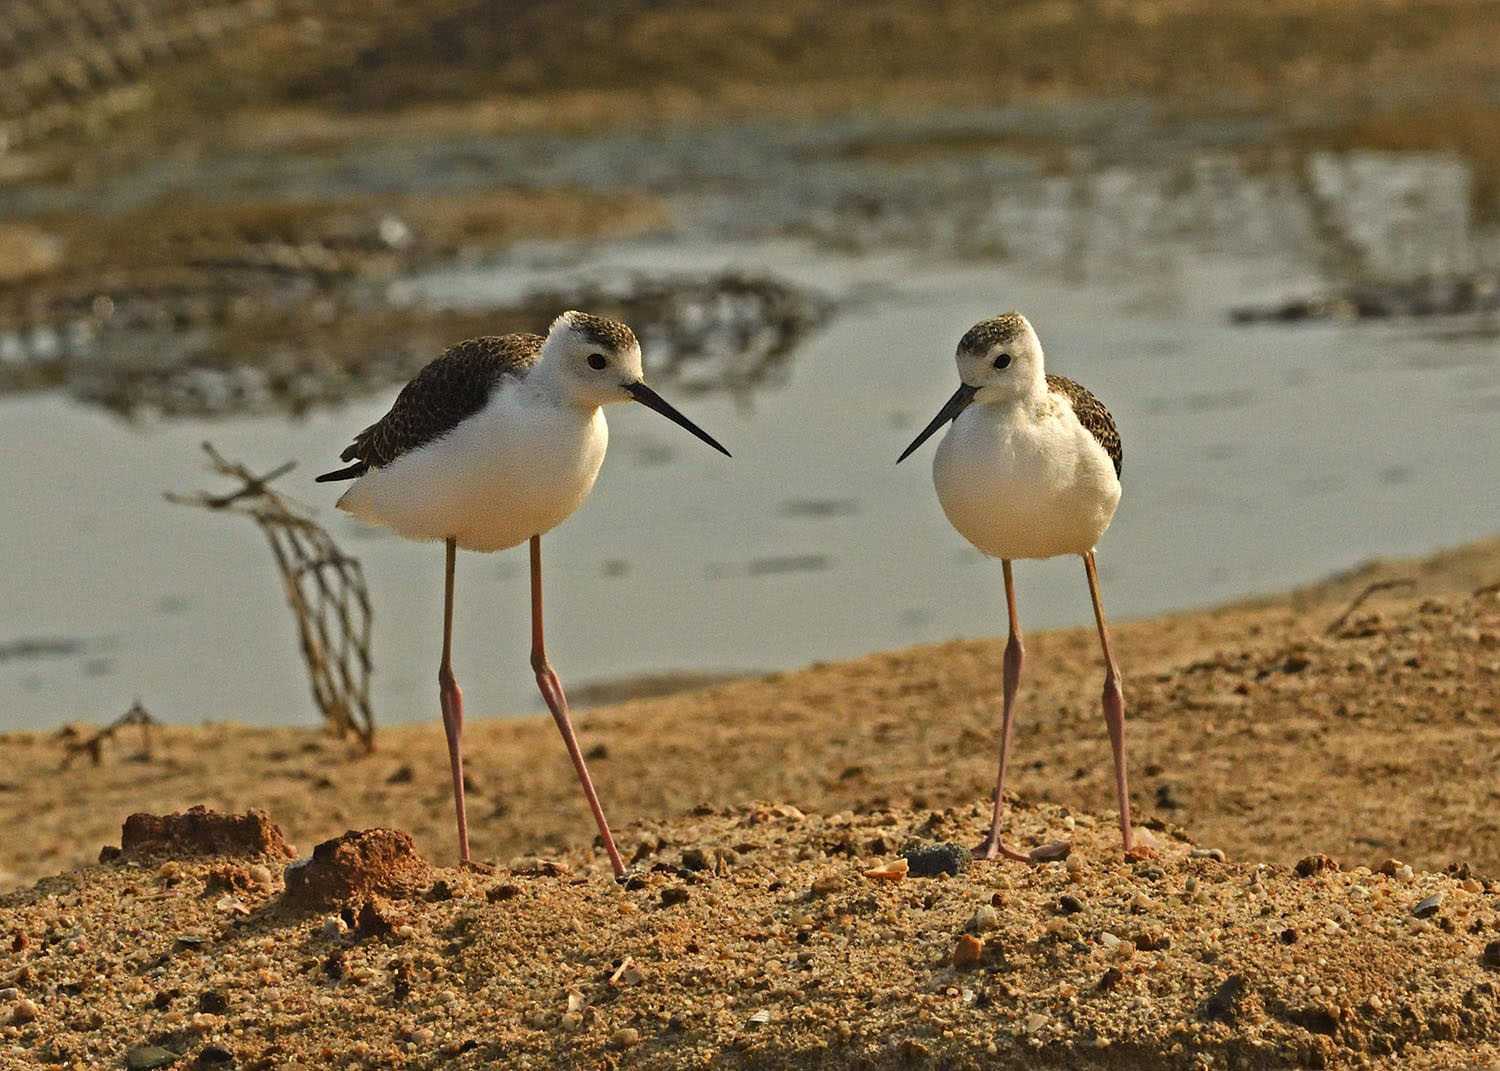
x: 967, y: 952
x: 986, y: 918
x: 334, y: 928
x: 1428, y: 907
x: 826, y: 884
x: 1315, y: 864
x: 24, y: 1011
x: 261, y: 876
x: 1216, y: 854
x: 1152, y: 941
x: 1491, y: 956
x: 625, y: 1037
x: 422, y: 1035
x: 149, y: 1057
x: 893, y: 871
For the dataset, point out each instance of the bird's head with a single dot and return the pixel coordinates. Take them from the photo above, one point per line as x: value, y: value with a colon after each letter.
x: 599, y: 363
x: 1000, y: 357
x: 999, y: 360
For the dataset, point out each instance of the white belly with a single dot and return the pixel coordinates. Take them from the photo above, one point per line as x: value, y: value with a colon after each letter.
x: 1025, y: 488
x: 510, y: 472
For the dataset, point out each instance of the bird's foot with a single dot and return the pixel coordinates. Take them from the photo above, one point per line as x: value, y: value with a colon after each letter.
x: 1050, y: 852
x: 993, y: 849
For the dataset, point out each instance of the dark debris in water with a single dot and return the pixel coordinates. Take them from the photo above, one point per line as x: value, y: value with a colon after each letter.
x: 29, y: 647
x: 791, y: 563
x: 731, y: 332
x: 1417, y: 298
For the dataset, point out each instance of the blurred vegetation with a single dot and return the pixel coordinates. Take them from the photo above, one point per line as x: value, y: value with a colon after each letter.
x: 161, y: 69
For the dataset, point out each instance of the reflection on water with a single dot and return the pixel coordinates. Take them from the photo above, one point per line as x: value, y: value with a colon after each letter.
x: 731, y: 332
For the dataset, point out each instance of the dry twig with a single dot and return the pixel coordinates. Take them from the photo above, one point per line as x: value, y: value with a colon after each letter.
x: 1379, y: 585
x: 94, y: 745
x: 324, y: 587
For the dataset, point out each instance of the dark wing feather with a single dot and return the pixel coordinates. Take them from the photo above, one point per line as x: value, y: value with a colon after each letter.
x: 449, y: 389
x: 1092, y: 415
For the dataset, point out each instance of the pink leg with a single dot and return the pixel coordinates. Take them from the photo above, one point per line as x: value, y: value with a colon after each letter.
x: 453, y: 708
x: 1015, y: 657
x: 1114, y: 702
x: 552, y: 692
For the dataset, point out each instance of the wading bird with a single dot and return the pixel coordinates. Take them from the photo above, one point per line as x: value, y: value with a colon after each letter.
x: 492, y: 444
x: 1029, y: 469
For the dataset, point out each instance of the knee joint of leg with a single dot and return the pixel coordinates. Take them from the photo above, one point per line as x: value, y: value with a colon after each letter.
x: 446, y: 679
x: 539, y: 663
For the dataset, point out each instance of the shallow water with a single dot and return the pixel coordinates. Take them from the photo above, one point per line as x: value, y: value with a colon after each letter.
x: 1255, y: 458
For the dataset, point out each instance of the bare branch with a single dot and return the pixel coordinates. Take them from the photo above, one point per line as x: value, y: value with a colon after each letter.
x: 324, y: 587
x: 1379, y: 585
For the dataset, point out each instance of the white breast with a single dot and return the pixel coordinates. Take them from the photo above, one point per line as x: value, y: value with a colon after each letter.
x: 1025, y: 480
x: 516, y: 469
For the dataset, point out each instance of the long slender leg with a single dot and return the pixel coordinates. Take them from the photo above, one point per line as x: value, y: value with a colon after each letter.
x: 1015, y: 657
x: 552, y: 692
x: 453, y: 707
x: 1114, y: 702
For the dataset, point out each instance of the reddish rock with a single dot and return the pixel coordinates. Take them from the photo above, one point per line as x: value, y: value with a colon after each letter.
x: 373, y: 921
x: 1315, y: 864
x: 351, y: 869
x: 967, y: 952
x: 204, y: 832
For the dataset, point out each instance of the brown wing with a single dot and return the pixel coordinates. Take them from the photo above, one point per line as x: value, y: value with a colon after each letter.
x: 449, y: 389
x: 1092, y: 415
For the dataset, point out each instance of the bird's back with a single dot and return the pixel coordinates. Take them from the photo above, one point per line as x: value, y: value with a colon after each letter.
x: 1092, y: 414
x: 448, y: 390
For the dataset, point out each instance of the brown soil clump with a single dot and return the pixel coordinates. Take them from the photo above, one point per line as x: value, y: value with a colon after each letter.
x: 351, y: 869
x: 202, y: 832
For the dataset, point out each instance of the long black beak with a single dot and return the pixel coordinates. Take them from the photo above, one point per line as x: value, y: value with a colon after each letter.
x: 955, y: 405
x: 651, y: 400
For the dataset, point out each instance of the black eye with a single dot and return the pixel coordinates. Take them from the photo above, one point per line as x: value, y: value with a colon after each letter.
x: 1002, y: 361
x: 597, y: 361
